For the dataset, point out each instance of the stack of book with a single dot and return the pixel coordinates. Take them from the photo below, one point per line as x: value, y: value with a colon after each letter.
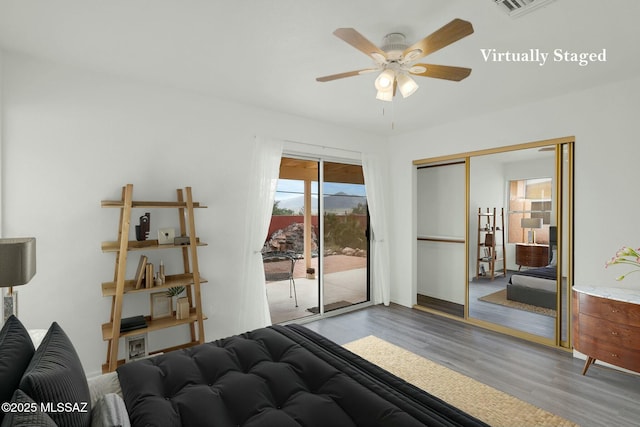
x: 145, y: 274
x: 132, y: 323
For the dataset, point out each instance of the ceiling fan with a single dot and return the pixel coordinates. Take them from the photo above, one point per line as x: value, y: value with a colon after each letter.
x: 395, y: 59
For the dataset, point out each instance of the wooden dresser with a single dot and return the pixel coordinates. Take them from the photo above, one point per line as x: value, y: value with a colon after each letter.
x: 606, y: 326
x: 530, y: 255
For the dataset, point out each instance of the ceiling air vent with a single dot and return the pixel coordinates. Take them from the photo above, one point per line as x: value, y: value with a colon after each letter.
x: 520, y: 7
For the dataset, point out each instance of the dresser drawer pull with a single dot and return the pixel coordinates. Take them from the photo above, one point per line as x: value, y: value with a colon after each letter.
x: 614, y: 333
x: 614, y: 355
x: 613, y: 310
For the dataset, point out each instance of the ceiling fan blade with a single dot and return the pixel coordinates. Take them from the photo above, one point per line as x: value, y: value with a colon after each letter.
x: 443, y: 72
x: 451, y: 32
x: 343, y: 75
x: 359, y: 41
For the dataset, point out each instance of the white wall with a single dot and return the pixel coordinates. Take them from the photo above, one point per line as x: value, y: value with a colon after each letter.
x: 604, y: 122
x: 1, y: 138
x: 440, y: 201
x: 73, y: 138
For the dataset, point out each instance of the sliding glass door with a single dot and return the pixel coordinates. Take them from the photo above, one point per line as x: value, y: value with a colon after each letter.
x: 346, y: 246
x: 319, y: 224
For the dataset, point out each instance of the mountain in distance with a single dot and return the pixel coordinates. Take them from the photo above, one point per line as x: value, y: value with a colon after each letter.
x: 342, y: 202
x: 338, y: 203
x: 297, y: 203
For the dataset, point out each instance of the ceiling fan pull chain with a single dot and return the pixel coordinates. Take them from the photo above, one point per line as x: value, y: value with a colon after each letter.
x: 393, y: 115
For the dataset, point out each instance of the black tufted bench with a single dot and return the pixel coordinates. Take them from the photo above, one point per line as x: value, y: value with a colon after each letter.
x: 277, y: 376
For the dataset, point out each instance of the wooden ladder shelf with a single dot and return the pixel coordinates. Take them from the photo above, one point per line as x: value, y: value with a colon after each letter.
x: 120, y: 286
x: 490, y: 238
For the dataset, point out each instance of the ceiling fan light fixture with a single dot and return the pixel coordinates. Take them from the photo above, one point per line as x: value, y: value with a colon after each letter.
x: 385, y: 95
x: 406, y: 85
x: 385, y: 80
x: 394, y: 60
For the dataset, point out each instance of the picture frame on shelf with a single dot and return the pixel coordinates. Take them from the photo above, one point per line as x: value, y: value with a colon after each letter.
x: 166, y: 236
x: 161, y: 305
x: 136, y: 347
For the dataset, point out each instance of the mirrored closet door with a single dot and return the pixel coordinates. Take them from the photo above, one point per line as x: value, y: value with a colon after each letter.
x: 517, y: 204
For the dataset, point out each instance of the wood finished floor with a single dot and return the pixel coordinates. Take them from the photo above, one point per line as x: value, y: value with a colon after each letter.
x: 543, y: 376
x: 520, y: 320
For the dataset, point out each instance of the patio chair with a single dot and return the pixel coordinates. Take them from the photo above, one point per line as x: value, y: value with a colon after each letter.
x: 278, y: 266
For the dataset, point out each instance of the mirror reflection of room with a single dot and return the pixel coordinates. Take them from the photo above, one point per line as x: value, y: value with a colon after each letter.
x: 502, y: 218
x: 512, y: 280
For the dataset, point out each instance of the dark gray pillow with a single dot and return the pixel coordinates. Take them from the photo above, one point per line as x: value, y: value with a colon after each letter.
x: 29, y: 415
x: 16, y: 351
x: 55, y: 376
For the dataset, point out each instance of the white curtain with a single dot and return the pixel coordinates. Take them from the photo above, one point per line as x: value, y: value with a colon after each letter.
x: 375, y: 179
x: 263, y: 171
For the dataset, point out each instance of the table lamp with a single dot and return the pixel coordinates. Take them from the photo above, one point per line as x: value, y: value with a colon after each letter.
x: 17, y: 267
x: 531, y: 224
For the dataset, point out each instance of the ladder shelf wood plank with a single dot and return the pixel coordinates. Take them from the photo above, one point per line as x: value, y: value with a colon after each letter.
x: 491, y: 237
x: 121, y: 286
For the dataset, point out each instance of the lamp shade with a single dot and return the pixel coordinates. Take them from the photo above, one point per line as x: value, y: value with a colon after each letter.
x: 17, y: 261
x: 407, y: 85
x: 531, y: 222
x: 385, y: 95
x: 385, y: 80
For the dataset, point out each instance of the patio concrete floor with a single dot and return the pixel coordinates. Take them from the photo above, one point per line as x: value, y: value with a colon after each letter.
x: 345, y: 279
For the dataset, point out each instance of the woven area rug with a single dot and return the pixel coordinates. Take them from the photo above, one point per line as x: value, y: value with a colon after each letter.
x: 483, y: 402
x: 500, y: 298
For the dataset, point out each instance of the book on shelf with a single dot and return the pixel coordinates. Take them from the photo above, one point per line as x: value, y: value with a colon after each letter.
x: 132, y: 323
x: 149, y: 276
x: 140, y: 271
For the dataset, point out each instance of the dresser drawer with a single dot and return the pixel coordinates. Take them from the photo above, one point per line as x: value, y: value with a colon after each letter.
x: 628, y: 359
x: 611, y: 335
x: 606, y: 330
x: 532, y: 255
x: 611, y: 310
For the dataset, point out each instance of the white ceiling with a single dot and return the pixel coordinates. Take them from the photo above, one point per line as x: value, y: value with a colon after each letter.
x: 269, y: 52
